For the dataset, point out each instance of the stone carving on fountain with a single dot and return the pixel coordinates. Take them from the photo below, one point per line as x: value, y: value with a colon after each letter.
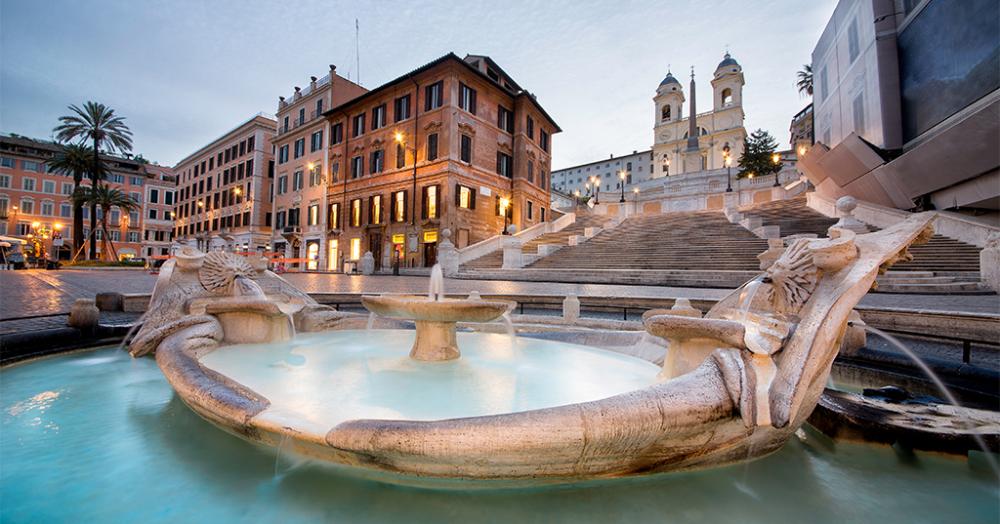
x: 734, y: 386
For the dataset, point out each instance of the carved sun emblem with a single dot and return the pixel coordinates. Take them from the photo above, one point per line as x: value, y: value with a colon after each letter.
x: 221, y: 269
x: 793, y: 278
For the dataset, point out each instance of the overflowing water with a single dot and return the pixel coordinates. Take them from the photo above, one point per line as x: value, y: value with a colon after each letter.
x: 436, y: 291
x: 941, y: 386
x: 100, y: 437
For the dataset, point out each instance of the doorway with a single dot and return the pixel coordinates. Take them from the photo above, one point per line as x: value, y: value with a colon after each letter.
x: 430, y: 254
x: 375, y: 246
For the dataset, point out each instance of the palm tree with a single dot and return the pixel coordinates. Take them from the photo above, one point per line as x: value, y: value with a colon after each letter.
x: 98, y: 124
x: 76, y: 161
x: 805, y: 82
x: 105, y: 198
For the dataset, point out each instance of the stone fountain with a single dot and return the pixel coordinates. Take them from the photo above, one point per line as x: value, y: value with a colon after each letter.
x: 734, y: 385
x: 436, y: 317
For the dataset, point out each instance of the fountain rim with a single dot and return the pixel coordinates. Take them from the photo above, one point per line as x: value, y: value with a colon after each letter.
x: 423, y: 307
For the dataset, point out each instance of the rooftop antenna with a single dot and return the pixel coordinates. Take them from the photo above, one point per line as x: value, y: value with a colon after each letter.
x: 357, y: 49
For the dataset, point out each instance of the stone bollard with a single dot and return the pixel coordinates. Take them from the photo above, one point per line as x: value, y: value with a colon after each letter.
x: 84, y: 315
x: 682, y: 307
x: 447, y: 254
x: 367, y: 263
x: 475, y: 296
x: 109, y: 301
x: 989, y: 262
x: 845, y: 210
x: 571, y: 308
x: 512, y: 254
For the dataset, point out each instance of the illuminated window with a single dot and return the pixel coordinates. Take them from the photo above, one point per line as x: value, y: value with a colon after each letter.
x: 356, y: 212
x: 312, y: 256
x: 430, y: 209
x: 355, y: 248
x: 375, y: 209
x: 465, y: 198
x: 331, y: 259
x: 399, y: 206
x: 314, y: 215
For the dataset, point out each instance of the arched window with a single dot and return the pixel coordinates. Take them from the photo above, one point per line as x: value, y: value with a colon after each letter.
x: 665, y: 114
x: 727, y: 97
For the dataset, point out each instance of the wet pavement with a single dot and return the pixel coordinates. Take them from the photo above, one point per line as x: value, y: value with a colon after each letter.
x: 31, y: 293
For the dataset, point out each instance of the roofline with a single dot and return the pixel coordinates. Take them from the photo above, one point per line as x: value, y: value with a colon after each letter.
x: 637, y: 153
x: 224, y: 135
x: 55, y: 146
x: 424, y: 68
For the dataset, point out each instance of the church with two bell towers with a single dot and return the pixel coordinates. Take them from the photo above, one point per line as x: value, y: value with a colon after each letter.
x: 699, y: 141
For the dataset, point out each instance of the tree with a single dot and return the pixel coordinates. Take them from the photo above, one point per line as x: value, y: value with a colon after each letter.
x: 758, y: 155
x: 105, y: 198
x: 805, y: 82
x: 76, y: 161
x: 98, y: 124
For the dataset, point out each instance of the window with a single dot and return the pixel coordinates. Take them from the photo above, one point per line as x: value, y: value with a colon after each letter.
x: 531, y: 128
x: 542, y: 179
x: 400, y: 156
x: 378, y: 117
x: 284, y: 127
x: 466, y: 150
x: 531, y: 171
x: 859, y: 113
x: 28, y: 184
x: 334, y: 171
x: 27, y: 206
x: 336, y: 134
x: 375, y: 209
x: 29, y: 165
x: 401, y: 108
x: 358, y: 126
x: 297, y: 181
x: 314, y: 178
x: 375, y: 164
x: 504, y: 164
x: 154, y: 196
x: 432, y: 146
x: 853, y: 46
x: 726, y: 97
x: 168, y: 198
x: 399, y: 206
x: 279, y: 220
x: 331, y: 259
x: 282, y: 184
x: 293, y: 217
x: 505, y: 119
x: 665, y: 113
x: 48, y: 186
x: 6, y: 162
x: 136, y: 197
x: 430, y: 203
x: 319, y: 107
x: 356, y: 212
x: 355, y: 248
x: 334, y: 215
x: 531, y: 210
x: 313, y: 217
x: 541, y: 214
x: 300, y: 147
x: 467, y: 98
x: 465, y: 197
x: 357, y: 165
x: 543, y: 140
x: 243, y: 151
x: 152, y: 214
x: 5, y: 181
x: 48, y: 208
x: 302, y: 116
x: 434, y: 96
x: 65, y: 210
x: 283, y: 154
x: 250, y: 142
x: 316, y: 141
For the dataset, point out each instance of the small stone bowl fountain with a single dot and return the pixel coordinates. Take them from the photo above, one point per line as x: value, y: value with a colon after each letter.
x: 435, y: 317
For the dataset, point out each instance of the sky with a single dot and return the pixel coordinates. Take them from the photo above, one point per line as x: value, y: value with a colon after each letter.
x: 185, y: 72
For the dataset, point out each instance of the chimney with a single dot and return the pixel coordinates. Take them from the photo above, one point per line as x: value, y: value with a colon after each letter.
x: 281, y: 102
x: 298, y: 93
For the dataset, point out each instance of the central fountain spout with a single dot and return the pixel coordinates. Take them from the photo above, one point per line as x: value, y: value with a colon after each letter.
x: 435, y: 317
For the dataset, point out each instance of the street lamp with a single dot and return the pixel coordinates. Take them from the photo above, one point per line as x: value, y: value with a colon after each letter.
x: 597, y: 189
x: 635, y: 191
x: 776, y: 158
x: 504, y: 204
x: 621, y: 175
x: 728, y: 160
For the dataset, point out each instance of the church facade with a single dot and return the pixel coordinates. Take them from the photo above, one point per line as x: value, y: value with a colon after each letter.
x: 700, y: 141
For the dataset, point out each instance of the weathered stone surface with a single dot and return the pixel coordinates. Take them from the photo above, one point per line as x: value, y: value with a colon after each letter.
x: 109, y: 301
x: 84, y: 315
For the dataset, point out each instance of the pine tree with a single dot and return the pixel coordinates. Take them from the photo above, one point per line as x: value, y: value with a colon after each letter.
x: 757, y: 158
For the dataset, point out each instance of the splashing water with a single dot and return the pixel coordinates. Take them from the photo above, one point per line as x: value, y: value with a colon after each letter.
x: 436, y: 291
x: 371, y: 321
x: 939, y: 384
x: 511, y: 332
x: 746, y: 297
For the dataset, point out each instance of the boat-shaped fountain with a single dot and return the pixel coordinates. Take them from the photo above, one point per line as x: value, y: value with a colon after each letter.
x: 234, y: 342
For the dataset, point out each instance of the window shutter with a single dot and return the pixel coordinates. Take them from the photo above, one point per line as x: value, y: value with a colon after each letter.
x: 423, y: 203
x: 472, y: 198
x: 406, y: 205
x: 427, y: 98
x: 437, y: 200
x: 497, y: 202
x: 458, y: 196
x: 472, y: 101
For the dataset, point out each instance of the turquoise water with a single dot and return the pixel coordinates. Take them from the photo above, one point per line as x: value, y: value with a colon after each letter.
x: 99, y: 437
x: 320, y: 380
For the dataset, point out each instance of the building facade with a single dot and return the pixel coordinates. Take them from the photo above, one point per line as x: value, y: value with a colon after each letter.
x: 301, y: 172
x: 906, y: 103
x: 700, y: 141
x: 455, y: 144
x: 223, y: 198
x: 158, y: 211
x: 34, y: 200
x: 580, y: 180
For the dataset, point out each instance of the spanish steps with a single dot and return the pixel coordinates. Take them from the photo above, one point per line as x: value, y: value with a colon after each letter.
x: 584, y: 219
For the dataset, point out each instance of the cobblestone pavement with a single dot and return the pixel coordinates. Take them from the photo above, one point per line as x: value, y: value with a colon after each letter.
x: 37, y: 292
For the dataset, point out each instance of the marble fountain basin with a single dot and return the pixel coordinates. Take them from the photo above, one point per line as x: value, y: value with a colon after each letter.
x: 522, y: 411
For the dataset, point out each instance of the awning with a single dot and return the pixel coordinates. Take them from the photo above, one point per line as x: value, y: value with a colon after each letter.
x: 12, y: 240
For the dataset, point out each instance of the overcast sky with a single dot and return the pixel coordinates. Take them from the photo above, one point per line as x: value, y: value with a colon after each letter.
x: 184, y: 72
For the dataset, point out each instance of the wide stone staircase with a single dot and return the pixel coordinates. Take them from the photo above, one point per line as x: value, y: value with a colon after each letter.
x: 584, y: 219
x: 942, y: 265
